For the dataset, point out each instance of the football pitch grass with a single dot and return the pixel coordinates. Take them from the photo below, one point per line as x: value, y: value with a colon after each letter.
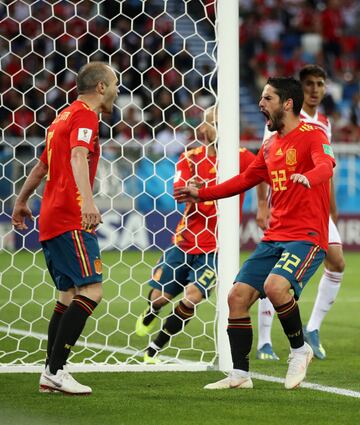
x: 136, y: 398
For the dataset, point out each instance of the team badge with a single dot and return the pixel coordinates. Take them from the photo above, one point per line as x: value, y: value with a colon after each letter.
x: 98, y: 266
x: 291, y: 157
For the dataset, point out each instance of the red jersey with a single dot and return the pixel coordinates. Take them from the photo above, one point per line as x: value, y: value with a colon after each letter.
x: 76, y: 125
x: 297, y: 213
x: 196, y: 231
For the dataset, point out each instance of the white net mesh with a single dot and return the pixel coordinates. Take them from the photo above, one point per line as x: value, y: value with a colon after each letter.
x: 164, y: 52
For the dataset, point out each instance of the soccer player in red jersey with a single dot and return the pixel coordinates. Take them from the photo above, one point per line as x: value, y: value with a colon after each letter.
x: 313, y: 80
x: 69, y: 217
x: 297, y: 162
x: 190, y: 262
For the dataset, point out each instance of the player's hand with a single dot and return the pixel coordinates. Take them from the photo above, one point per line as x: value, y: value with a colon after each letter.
x: 196, y: 182
x: 90, y: 216
x: 301, y: 179
x: 186, y: 194
x: 20, y: 212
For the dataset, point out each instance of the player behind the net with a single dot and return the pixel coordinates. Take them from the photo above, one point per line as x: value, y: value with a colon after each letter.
x: 190, y: 263
x: 69, y: 217
x: 297, y: 161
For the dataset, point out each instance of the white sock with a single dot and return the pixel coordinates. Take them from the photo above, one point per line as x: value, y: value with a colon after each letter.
x: 265, y: 319
x: 327, y: 291
x: 240, y: 373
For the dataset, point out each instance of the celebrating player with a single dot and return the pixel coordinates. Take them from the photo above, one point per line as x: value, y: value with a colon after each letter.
x: 190, y: 262
x: 69, y: 217
x: 313, y: 79
x: 298, y: 163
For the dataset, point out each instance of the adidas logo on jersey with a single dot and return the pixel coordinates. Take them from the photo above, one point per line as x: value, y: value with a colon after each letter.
x: 279, y: 152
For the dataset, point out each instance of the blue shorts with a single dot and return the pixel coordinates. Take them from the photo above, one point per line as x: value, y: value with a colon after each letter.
x: 296, y: 261
x: 73, y: 259
x: 176, y: 269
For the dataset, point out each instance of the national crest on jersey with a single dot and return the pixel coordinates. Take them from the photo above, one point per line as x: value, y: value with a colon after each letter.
x: 290, y: 157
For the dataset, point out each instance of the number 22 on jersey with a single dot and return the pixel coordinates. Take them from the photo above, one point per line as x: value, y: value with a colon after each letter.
x: 278, y: 180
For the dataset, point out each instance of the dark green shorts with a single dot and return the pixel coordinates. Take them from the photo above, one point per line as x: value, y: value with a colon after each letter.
x: 176, y: 269
x: 296, y: 261
x: 73, y: 259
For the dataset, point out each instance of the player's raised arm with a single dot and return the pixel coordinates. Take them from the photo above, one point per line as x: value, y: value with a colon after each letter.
x: 21, y: 209
x: 255, y: 174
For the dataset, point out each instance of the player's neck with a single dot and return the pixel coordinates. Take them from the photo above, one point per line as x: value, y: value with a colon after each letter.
x: 289, y: 126
x: 310, y: 110
x: 91, y: 101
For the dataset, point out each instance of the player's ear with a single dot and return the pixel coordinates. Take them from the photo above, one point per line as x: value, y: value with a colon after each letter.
x: 101, y: 86
x: 289, y: 105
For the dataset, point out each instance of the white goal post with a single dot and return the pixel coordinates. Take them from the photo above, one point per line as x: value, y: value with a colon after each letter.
x: 168, y: 53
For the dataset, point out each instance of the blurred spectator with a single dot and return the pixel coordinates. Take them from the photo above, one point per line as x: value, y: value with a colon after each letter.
x: 248, y: 134
x: 43, y: 46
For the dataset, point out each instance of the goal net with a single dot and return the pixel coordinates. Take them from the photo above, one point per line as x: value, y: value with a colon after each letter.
x: 164, y: 52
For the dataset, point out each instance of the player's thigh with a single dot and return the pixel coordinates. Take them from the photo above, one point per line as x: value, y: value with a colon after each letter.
x: 299, y: 261
x: 257, y: 267
x: 171, y: 272
x: 202, y: 272
x: 73, y: 259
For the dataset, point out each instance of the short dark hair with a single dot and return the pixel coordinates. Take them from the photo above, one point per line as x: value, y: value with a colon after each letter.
x: 288, y: 88
x: 90, y: 75
x: 313, y: 70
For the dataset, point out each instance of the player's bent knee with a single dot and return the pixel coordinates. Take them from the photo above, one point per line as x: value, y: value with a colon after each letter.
x: 159, y: 298
x: 65, y: 297
x: 193, y: 296
x: 238, y: 298
x: 93, y: 291
x: 276, y: 292
x: 335, y: 265
x: 334, y: 260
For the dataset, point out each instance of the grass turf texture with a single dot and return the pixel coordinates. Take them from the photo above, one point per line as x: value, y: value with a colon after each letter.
x: 150, y: 398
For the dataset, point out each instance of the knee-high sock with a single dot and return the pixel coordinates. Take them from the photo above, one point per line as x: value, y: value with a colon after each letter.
x: 327, y: 291
x: 53, y: 327
x: 265, y: 319
x: 70, y: 328
x: 289, y: 316
x: 240, y: 337
x: 173, y: 324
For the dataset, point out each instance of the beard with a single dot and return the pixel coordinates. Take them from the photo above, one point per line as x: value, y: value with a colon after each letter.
x: 276, y: 121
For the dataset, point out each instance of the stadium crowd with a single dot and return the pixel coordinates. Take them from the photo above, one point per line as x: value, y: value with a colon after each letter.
x: 42, y: 46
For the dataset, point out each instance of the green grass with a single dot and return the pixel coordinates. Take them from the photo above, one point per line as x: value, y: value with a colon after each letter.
x: 150, y: 398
